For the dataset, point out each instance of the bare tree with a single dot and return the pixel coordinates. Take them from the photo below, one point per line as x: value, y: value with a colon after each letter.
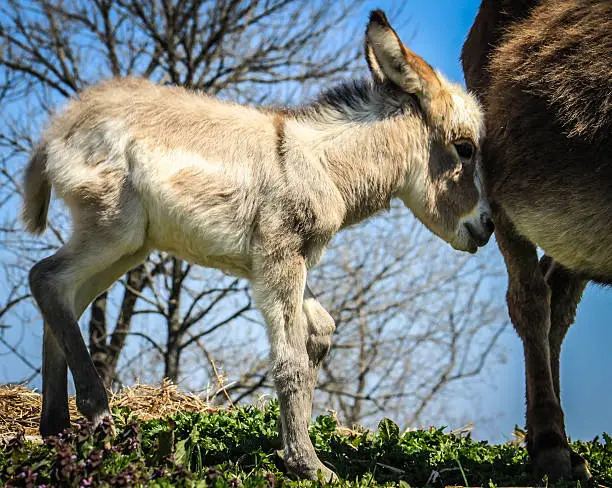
x: 252, y: 51
x: 413, y: 317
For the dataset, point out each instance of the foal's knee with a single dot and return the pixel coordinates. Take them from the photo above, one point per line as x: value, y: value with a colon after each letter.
x: 49, y: 285
x: 290, y: 372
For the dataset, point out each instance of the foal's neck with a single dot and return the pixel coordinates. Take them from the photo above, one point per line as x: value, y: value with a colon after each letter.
x: 361, y: 146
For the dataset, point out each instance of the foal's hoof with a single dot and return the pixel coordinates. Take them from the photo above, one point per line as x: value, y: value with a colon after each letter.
x: 580, y: 467
x: 327, y: 475
x: 311, y: 470
x: 53, y: 424
x: 553, y: 462
x: 107, y: 419
x: 93, y: 404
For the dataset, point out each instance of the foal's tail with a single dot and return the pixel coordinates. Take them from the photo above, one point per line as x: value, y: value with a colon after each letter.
x: 36, y: 192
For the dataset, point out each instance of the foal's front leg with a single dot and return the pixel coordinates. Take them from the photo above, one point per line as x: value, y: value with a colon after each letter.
x: 278, y: 287
x: 321, y: 327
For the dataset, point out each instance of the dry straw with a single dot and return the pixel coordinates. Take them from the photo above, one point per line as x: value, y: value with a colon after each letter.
x: 20, y: 407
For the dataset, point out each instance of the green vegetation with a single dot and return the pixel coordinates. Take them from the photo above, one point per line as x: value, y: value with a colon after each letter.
x: 239, y: 448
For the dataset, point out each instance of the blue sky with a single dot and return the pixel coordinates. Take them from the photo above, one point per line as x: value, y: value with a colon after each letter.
x: 436, y: 30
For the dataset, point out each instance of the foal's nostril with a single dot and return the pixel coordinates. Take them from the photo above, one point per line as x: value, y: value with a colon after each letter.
x: 487, y: 222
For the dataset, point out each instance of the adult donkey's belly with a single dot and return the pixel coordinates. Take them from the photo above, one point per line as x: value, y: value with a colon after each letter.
x: 577, y: 240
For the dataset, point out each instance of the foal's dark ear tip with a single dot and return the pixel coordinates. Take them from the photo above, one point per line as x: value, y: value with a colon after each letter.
x: 379, y: 17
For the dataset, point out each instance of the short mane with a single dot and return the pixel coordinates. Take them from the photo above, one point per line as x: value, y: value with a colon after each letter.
x: 353, y: 100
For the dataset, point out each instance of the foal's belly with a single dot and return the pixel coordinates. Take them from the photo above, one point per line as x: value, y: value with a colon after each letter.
x: 577, y: 238
x: 198, y: 252
x: 191, y: 244
x: 207, y: 235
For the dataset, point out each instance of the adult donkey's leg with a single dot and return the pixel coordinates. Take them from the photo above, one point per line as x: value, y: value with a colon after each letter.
x: 278, y: 288
x: 529, y: 307
x: 566, y: 292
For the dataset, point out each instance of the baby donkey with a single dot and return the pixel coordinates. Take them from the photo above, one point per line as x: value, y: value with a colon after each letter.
x: 257, y: 192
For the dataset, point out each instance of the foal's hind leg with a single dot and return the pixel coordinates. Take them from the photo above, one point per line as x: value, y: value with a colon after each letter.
x: 55, y: 415
x: 58, y: 284
x: 278, y: 288
x: 566, y: 292
x: 529, y: 307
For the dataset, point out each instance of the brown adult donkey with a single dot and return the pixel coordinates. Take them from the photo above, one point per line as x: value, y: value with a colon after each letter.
x: 543, y: 70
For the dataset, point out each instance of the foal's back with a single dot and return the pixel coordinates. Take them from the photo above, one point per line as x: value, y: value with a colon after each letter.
x: 175, y: 169
x: 548, y: 157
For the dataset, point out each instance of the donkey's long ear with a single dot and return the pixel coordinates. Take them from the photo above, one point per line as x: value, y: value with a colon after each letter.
x: 390, y: 60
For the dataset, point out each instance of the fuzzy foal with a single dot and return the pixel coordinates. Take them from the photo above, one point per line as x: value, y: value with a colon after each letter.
x: 256, y: 192
x: 543, y: 71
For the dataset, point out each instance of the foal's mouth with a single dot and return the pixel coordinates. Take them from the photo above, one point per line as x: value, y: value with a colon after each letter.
x: 479, y: 239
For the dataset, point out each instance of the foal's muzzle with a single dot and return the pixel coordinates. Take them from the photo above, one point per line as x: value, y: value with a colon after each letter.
x: 481, y: 233
x: 474, y: 232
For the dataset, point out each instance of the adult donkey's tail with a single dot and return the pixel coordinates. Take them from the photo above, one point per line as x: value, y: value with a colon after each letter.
x: 36, y: 192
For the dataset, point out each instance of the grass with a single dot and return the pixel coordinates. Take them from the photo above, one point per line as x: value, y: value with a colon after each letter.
x: 231, y: 448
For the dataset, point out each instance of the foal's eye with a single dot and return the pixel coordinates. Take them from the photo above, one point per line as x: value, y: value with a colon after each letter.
x: 464, y: 149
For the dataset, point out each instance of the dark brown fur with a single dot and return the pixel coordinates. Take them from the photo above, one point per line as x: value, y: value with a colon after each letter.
x: 543, y: 71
